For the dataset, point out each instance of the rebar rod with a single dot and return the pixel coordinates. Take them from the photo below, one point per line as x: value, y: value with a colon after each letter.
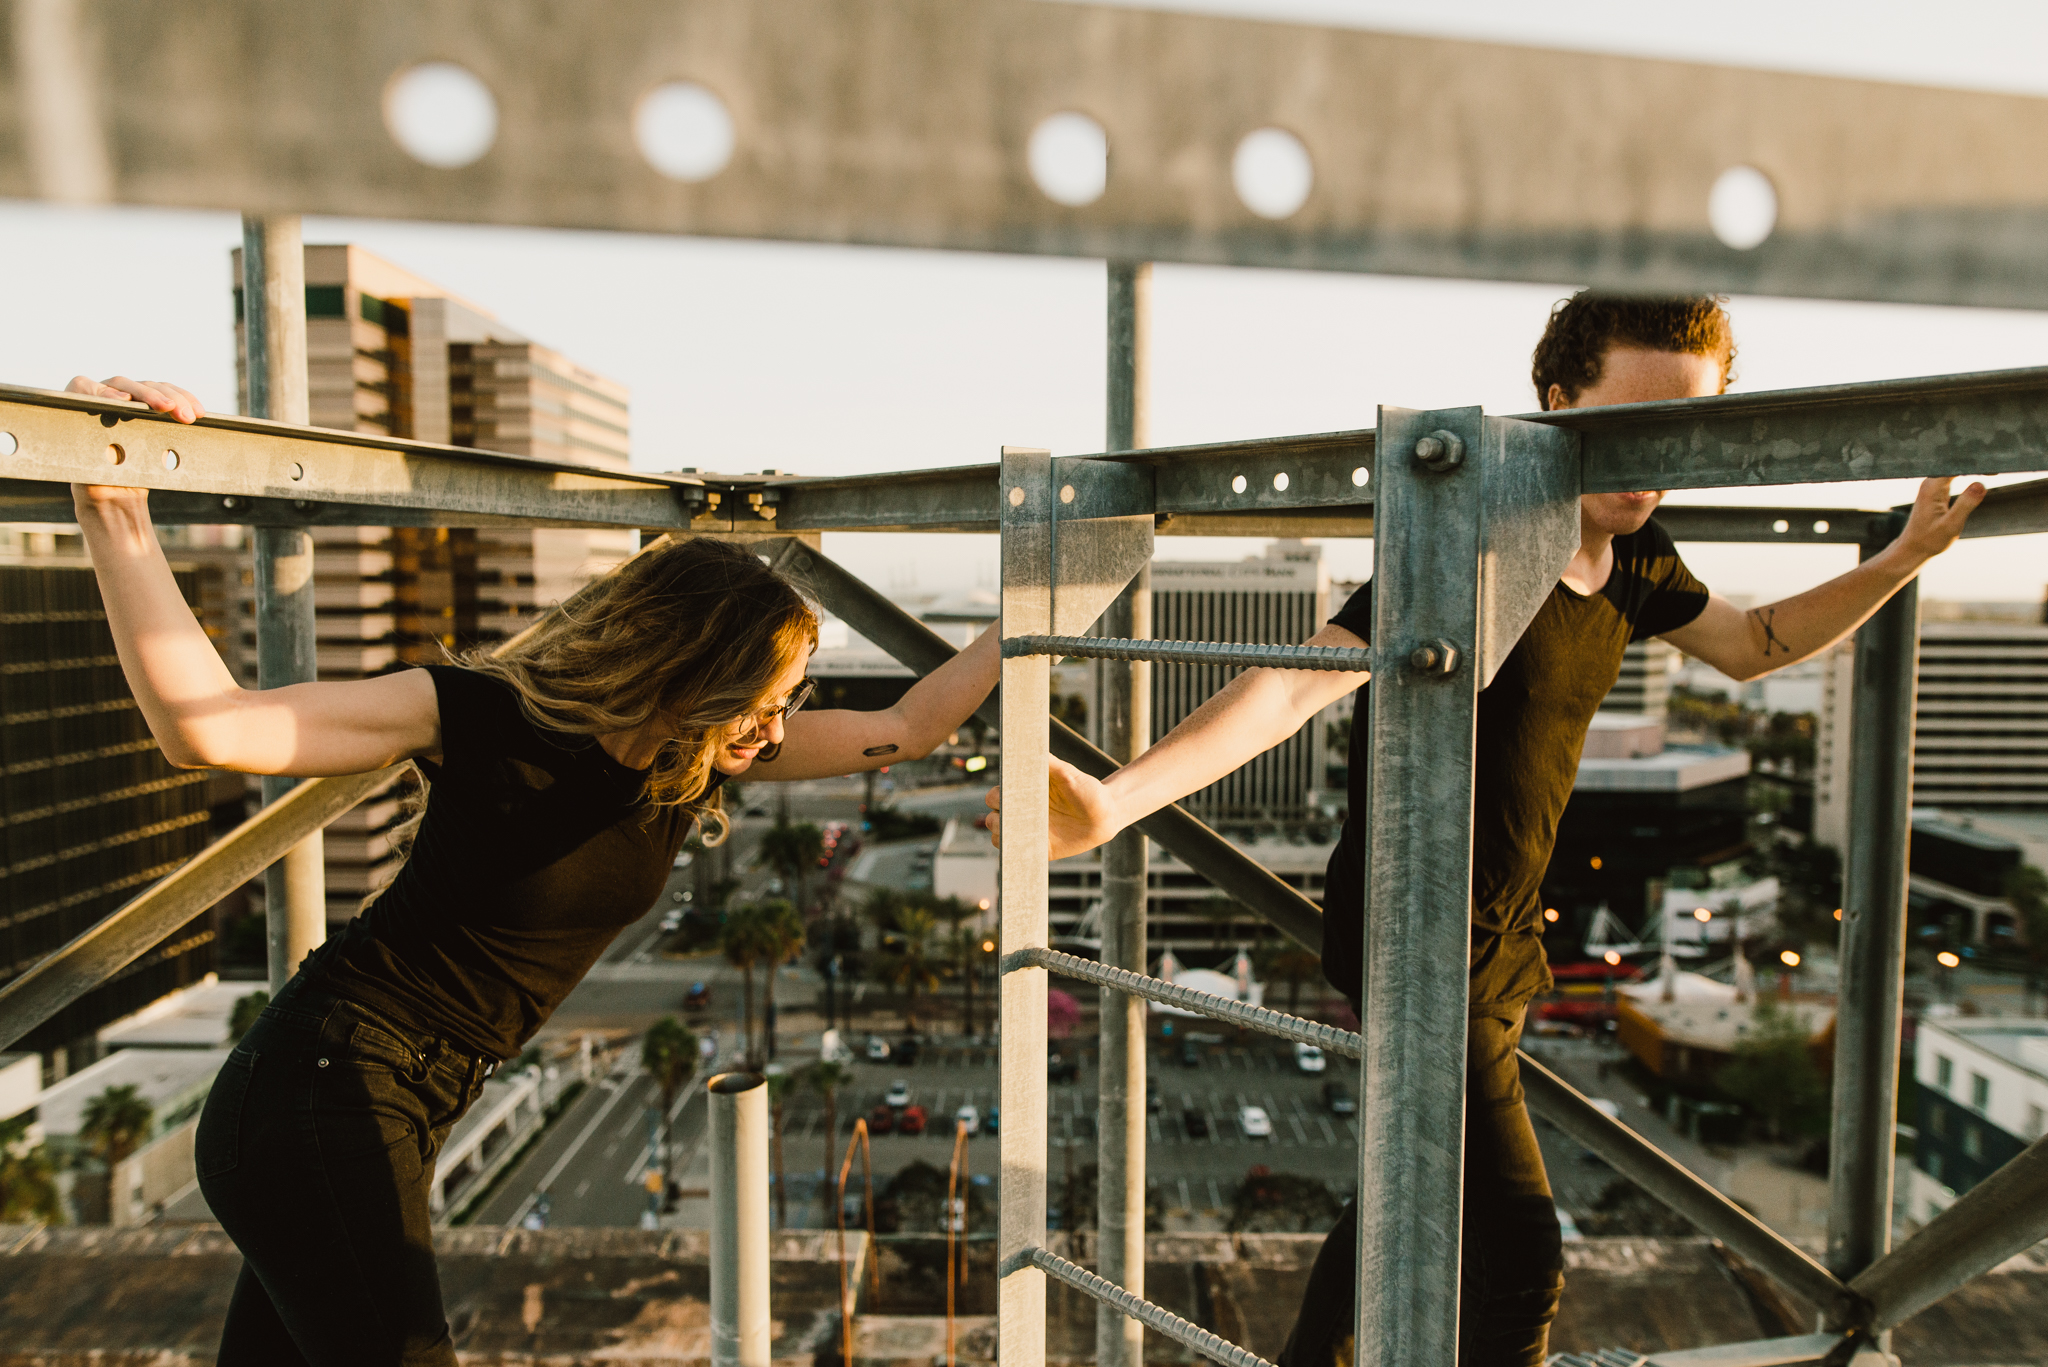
x: 1272, y: 1022
x: 1153, y: 1317
x: 1340, y: 659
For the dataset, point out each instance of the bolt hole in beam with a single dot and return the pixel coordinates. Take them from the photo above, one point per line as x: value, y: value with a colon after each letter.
x: 1272, y: 172
x: 1017, y: 497
x: 1820, y: 528
x: 1360, y: 477
x: 684, y: 131
x: 1237, y: 484
x: 1069, y: 159
x: 171, y: 459
x: 1742, y: 208
x: 297, y: 471
x: 1781, y: 526
x: 1280, y: 481
x: 441, y: 114
x: 116, y: 454
x: 1066, y: 493
x: 8, y: 445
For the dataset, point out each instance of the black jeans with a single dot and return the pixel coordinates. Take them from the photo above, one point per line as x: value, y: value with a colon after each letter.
x: 316, y: 1152
x: 1513, y: 1251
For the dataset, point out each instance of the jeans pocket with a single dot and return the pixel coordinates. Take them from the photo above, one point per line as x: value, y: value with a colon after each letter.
x: 216, y: 1147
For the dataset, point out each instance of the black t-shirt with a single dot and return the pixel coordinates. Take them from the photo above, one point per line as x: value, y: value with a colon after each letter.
x: 1532, y: 726
x: 537, y: 849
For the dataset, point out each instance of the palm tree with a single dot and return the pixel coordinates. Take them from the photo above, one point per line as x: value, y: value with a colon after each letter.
x: 826, y: 1078
x: 28, y: 1179
x: 742, y: 942
x: 911, y: 970
x: 793, y: 850
x: 780, y: 1085
x: 668, y: 1051
x: 116, y: 1124
x: 782, y: 939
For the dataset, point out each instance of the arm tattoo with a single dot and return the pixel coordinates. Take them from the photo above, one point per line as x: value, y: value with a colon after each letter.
x: 1764, y: 618
x: 874, y: 750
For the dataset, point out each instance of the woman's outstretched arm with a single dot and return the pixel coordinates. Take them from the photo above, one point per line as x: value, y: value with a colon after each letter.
x: 199, y: 715
x: 826, y: 743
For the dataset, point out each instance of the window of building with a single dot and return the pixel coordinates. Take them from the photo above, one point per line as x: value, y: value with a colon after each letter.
x: 1937, y: 1122
x: 1934, y: 1166
x: 1973, y: 1141
x: 1980, y: 1092
x: 1944, y: 1071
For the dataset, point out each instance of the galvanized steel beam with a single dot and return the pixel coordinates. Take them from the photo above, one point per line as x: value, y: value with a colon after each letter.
x: 912, y: 125
x: 1782, y: 1352
x: 107, y: 947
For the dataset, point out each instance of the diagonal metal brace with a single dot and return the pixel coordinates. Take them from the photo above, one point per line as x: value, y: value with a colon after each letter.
x: 1145, y: 1312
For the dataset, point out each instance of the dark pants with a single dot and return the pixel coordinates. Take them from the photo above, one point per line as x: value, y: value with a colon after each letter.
x: 316, y: 1152
x: 1513, y: 1251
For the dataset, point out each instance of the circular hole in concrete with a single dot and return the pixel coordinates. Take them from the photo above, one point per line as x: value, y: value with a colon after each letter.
x: 1069, y: 159
x: 441, y: 114
x: 1272, y: 172
x: 1742, y: 207
x: 684, y: 131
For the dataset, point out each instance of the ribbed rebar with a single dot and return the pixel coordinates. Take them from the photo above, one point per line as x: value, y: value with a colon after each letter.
x: 1341, y: 659
x: 1145, y: 1312
x: 1279, y: 1023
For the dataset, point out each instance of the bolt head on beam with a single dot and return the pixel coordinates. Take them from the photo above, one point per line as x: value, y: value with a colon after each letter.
x: 1440, y: 451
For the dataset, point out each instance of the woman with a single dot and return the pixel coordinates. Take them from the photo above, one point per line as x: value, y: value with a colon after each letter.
x: 566, y: 770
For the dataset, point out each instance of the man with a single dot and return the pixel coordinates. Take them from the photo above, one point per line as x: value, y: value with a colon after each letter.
x: 1625, y: 583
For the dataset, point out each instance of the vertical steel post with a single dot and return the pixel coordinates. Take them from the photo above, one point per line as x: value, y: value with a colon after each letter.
x: 1027, y: 553
x: 1429, y: 519
x: 1126, y: 701
x: 274, y: 360
x: 739, y: 1220
x: 1873, y: 936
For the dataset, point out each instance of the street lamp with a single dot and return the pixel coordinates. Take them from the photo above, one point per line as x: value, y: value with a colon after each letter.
x: 1949, y: 963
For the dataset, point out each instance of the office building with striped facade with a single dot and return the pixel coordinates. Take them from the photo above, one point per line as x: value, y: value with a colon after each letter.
x: 388, y: 351
x: 1981, y: 733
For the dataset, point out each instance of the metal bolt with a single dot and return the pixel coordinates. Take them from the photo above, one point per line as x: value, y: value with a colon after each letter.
x: 1438, y: 657
x: 1440, y: 451
x: 322, y: 1063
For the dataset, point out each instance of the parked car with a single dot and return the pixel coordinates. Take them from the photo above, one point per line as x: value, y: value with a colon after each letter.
x: 1059, y: 1069
x: 878, y: 1049
x: 1195, y: 1123
x: 911, y: 1121
x: 672, y: 921
x: 906, y: 1051
x: 1309, y: 1059
x: 1190, y: 1056
x: 881, y: 1120
x: 1338, y: 1098
x: 1255, y: 1123
x: 898, y: 1095
x: 698, y: 998
x: 968, y: 1118
x: 992, y: 1122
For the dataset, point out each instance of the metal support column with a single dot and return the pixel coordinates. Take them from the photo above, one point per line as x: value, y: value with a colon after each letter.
x: 1873, y: 937
x: 274, y: 357
x: 1027, y: 555
x: 1125, y: 699
x: 1425, y: 690
x: 740, y: 1321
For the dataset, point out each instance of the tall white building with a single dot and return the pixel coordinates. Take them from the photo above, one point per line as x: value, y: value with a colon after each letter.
x: 1981, y: 1097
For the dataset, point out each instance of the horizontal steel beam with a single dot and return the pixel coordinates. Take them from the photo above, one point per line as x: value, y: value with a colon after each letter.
x: 111, y: 945
x: 2013, y: 510
x: 915, y: 123
x: 1785, y: 1352
x: 1683, y: 1191
x: 1687, y: 522
x: 1173, y: 828
x: 2005, y: 1214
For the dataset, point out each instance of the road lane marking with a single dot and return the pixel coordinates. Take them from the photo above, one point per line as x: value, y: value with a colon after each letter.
x: 563, y: 1162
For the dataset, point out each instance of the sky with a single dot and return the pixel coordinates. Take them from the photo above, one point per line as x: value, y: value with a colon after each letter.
x: 826, y: 360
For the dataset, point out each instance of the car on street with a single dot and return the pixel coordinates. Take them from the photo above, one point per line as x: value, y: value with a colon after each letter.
x: 1059, y: 1069
x: 881, y: 1120
x: 878, y: 1049
x: 1338, y: 1098
x: 699, y: 997
x: 968, y: 1118
x: 898, y: 1095
x: 1190, y: 1056
x: 992, y: 1122
x: 672, y: 921
x: 1255, y: 1123
x: 911, y: 1121
x: 1195, y: 1123
x: 1309, y: 1059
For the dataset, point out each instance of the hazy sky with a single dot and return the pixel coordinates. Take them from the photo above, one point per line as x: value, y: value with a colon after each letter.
x: 822, y: 360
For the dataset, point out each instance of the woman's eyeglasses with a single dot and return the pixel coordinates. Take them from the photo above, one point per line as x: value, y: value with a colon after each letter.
x: 798, y: 696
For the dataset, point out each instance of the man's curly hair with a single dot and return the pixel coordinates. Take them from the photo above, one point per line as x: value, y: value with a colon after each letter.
x: 1583, y: 327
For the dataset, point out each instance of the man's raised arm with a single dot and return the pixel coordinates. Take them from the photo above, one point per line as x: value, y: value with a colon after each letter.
x: 1247, y: 717
x: 1744, y: 645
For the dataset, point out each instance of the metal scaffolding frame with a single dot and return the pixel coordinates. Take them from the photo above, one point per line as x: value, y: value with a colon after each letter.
x: 1475, y: 516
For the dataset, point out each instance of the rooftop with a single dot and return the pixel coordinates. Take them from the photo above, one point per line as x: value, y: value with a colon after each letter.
x: 170, y: 1080
x: 1676, y: 770
x: 2023, y: 1044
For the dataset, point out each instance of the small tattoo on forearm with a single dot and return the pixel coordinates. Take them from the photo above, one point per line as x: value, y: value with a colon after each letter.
x: 873, y: 750
x: 1764, y: 618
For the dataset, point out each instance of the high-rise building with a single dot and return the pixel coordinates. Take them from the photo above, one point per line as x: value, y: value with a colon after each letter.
x: 388, y: 351
x: 1644, y: 686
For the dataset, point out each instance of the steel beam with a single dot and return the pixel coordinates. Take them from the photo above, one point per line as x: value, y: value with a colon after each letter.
x: 1124, y: 706
x: 110, y: 945
x: 1862, y: 1152
x: 1767, y: 526
x: 1027, y: 606
x: 1429, y: 156
x: 1419, y: 891
x: 1784, y: 1352
x: 2012, y: 510
x: 2005, y: 1214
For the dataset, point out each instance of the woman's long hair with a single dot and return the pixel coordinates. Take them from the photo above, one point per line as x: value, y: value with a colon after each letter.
x: 693, y: 633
